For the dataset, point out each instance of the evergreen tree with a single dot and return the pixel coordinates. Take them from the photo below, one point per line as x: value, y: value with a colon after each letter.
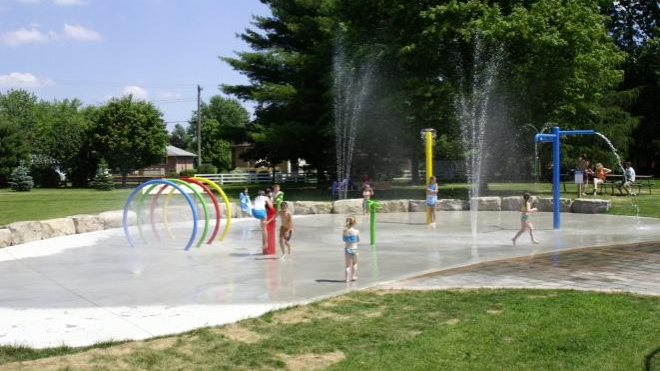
x: 103, y: 179
x: 20, y: 179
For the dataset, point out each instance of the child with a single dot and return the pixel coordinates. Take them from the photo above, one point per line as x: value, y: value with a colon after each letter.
x: 351, y: 237
x: 286, y: 229
x: 259, y: 212
x: 524, y: 219
x: 245, y: 203
x: 431, y: 198
x: 367, y: 193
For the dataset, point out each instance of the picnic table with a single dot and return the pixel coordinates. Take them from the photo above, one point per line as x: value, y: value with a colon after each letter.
x: 641, y: 181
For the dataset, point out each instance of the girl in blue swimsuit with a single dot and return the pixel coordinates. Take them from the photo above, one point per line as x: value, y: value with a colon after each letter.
x: 525, y: 224
x: 351, y: 237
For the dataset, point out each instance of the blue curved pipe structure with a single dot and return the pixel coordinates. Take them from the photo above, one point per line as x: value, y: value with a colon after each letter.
x: 554, y: 139
x: 170, y: 184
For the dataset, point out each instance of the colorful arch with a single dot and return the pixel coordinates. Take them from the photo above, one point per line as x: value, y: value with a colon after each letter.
x: 151, y: 184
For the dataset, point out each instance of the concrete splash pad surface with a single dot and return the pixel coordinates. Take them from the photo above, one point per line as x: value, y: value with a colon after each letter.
x: 82, y: 289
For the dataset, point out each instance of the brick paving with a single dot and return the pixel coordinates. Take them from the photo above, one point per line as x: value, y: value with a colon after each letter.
x: 631, y: 268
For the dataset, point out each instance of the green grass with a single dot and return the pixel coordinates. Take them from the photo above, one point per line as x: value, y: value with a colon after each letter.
x: 405, y: 330
x: 41, y: 204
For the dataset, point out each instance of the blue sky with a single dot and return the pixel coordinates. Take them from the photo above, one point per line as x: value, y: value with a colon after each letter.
x: 158, y: 50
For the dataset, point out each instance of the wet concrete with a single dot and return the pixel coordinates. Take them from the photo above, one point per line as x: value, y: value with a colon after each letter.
x: 82, y: 289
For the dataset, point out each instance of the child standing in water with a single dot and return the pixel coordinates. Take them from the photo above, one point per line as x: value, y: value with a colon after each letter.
x: 286, y: 229
x: 351, y: 237
x: 525, y: 224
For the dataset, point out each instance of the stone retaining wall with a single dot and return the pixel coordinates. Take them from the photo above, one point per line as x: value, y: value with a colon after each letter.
x: 22, y: 232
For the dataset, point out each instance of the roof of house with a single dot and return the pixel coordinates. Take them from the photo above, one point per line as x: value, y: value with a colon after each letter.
x: 178, y: 152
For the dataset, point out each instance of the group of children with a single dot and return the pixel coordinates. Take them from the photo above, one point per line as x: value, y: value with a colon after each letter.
x: 265, y: 207
x: 268, y: 204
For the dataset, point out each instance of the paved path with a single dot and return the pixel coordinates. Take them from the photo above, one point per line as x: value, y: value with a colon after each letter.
x: 632, y: 268
x: 82, y: 289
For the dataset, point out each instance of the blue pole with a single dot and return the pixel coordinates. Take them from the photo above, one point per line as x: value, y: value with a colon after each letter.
x: 555, y: 178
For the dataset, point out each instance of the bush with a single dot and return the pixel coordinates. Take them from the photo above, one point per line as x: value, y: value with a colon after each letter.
x: 45, y: 177
x: 20, y: 179
x: 207, y: 169
x: 103, y: 180
x: 187, y: 173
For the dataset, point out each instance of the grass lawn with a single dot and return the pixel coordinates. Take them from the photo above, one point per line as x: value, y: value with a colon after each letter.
x: 40, y: 204
x: 399, y: 330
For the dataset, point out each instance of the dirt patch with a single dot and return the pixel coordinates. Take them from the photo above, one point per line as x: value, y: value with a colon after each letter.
x: 239, y: 333
x: 452, y: 321
x: 305, y: 315
x: 300, y: 362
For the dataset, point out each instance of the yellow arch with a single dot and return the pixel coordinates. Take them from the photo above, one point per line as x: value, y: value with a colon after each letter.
x: 213, y: 185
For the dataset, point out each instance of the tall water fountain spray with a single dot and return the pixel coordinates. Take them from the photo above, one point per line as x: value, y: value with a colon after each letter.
x: 351, y: 85
x: 472, y: 107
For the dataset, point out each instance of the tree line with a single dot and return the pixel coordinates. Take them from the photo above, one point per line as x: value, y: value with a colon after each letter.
x: 577, y: 64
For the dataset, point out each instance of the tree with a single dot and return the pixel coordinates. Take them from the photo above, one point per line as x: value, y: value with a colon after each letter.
x: 60, y: 134
x: 129, y: 134
x: 103, y: 180
x: 13, y: 147
x: 20, y: 179
x: 290, y: 82
x: 179, y: 138
x: 223, y: 122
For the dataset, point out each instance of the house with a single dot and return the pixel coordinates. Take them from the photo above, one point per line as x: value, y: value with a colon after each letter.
x: 176, y: 160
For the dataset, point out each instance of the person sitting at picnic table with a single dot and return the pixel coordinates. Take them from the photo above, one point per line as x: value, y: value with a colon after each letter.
x: 600, y: 173
x: 628, y: 179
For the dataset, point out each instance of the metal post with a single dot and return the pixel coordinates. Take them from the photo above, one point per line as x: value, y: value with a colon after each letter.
x: 199, y: 127
x: 428, y: 135
x: 555, y: 178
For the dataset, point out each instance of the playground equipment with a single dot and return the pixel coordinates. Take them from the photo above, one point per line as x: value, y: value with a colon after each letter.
x: 372, y: 206
x: 183, y: 186
x: 428, y: 135
x: 554, y: 138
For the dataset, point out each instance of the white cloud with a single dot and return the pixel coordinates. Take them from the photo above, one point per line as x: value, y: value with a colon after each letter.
x: 23, y: 36
x: 81, y: 33
x: 71, y: 2
x: 168, y: 95
x: 17, y: 79
x: 137, y: 92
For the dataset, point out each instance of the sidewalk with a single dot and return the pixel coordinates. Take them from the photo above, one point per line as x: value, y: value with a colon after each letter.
x: 82, y: 289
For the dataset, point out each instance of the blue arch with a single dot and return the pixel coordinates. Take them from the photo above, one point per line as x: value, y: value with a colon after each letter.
x: 170, y: 184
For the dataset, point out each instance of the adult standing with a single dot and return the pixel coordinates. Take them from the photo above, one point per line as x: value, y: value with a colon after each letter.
x: 583, y: 166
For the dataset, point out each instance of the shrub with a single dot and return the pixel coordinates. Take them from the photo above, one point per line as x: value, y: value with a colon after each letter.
x: 103, y: 180
x: 207, y: 169
x: 187, y: 173
x: 20, y: 179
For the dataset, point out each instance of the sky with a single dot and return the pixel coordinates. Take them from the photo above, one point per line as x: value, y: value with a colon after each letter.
x: 94, y: 50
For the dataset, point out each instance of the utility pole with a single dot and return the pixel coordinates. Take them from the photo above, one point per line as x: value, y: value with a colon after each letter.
x: 199, y: 126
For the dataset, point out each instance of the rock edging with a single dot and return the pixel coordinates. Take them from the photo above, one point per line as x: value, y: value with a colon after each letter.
x: 22, y: 232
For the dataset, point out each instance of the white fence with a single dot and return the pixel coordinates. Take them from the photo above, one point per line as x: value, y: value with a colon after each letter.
x: 262, y: 177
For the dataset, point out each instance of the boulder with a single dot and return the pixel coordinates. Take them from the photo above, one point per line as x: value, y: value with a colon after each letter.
x: 451, y: 205
x: 312, y: 207
x: 115, y: 219
x: 57, y: 227
x: 350, y: 206
x: 394, y: 206
x: 5, y: 237
x: 487, y: 203
x: 88, y: 223
x: 22, y: 232
x: 416, y: 206
x: 590, y: 206
x: 515, y: 203
x: 545, y: 204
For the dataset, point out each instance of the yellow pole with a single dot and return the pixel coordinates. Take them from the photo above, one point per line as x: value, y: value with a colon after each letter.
x: 429, y: 166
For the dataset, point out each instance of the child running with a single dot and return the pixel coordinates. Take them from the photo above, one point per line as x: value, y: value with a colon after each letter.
x: 351, y: 237
x: 286, y: 229
x: 525, y: 224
